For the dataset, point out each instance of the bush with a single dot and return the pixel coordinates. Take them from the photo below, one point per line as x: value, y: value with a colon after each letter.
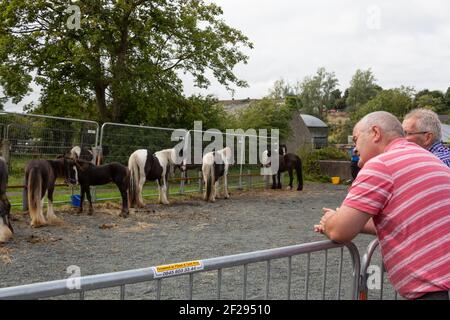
x: 310, y: 161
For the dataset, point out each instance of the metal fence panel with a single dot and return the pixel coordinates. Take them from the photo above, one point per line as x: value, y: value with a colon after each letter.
x: 253, y: 268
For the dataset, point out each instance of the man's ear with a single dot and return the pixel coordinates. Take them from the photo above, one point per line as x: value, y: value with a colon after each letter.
x: 377, y: 133
x: 429, y: 139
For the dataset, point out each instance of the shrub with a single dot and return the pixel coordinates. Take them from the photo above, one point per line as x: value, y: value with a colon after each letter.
x: 310, y: 161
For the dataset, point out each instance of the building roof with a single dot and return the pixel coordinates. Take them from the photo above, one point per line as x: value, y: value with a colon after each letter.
x: 446, y: 133
x: 313, y: 122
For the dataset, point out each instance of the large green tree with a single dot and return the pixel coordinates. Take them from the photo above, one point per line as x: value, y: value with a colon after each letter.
x: 363, y: 87
x: 124, y: 62
x: 397, y: 101
x: 317, y: 94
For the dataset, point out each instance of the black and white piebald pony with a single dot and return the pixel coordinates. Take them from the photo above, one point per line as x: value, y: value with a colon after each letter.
x: 215, y: 164
x: 81, y: 153
x: 40, y: 177
x: 145, y: 166
x: 287, y: 162
x: 6, y: 229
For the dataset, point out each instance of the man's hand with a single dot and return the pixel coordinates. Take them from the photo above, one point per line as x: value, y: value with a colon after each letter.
x: 327, y: 213
x: 342, y: 224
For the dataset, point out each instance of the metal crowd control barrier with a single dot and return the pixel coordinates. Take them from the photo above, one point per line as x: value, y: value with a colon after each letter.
x: 159, y: 273
x: 366, y: 262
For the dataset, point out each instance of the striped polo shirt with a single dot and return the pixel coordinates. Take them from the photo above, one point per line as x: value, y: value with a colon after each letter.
x: 407, y: 191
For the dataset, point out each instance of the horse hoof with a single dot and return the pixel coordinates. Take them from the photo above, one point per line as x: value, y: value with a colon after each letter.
x: 124, y: 214
x: 299, y: 189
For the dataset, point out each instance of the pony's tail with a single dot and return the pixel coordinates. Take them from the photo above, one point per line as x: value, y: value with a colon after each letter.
x: 298, y: 169
x: 133, y: 180
x: 209, y: 181
x: 34, y: 196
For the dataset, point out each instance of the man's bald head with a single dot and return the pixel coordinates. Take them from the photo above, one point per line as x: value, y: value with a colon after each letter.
x: 385, y: 121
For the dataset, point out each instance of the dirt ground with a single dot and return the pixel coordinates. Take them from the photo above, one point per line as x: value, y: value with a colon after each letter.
x: 188, y: 229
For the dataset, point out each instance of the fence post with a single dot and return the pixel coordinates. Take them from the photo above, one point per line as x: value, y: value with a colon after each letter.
x: 183, y: 176
x: 249, y: 177
x: 5, y: 150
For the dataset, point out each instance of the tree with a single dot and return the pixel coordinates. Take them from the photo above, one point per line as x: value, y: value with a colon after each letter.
x: 447, y: 97
x: 316, y: 93
x: 125, y: 58
x: 396, y: 101
x: 280, y: 90
x: 266, y: 114
x: 362, y: 88
x: 433, y: 100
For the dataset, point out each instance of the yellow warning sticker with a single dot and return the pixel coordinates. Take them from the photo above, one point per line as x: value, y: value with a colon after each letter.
x: 177, y: 268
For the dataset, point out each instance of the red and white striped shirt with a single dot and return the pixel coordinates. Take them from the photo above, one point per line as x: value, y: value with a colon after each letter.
x: 407, y: 190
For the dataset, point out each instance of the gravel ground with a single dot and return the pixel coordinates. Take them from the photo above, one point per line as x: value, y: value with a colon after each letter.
x: 186, y: 230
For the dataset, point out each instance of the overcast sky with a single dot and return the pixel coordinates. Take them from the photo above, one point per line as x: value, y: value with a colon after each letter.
x: 404, y: 42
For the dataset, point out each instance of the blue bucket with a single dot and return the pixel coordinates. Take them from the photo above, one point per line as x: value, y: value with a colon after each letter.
x: 76, y: 200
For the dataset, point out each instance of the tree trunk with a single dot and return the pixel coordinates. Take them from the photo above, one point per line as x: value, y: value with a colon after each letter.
x: 100, y: 95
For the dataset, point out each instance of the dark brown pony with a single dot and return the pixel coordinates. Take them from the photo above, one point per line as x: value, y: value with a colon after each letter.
x: 287, y: 162
x: 91, y: 175
x: 6, y: 229
x: 40, y: 177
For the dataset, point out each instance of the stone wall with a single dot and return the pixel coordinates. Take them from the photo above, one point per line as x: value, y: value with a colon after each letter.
x: 334, y: 168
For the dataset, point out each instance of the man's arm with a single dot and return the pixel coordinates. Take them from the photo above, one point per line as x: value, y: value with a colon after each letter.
x: 345, y: 224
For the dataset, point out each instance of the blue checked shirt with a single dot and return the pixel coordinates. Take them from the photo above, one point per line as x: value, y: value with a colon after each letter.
x: 442, y: 152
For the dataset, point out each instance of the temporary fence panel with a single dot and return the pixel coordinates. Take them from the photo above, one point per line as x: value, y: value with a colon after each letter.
x: 31, y: 136
x: 374, y: 283
x: 253, y: 275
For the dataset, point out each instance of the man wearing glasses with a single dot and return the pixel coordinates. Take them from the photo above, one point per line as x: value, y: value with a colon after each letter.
x: 423, y: 127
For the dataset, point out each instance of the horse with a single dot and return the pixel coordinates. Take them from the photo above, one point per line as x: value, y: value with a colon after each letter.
x: 145, y: 166
x: 215, y: 164
x: 287, y: 162
x: 40, y: 177
x: 6, y: 229
x: 81, y: 153
x: 89, y: 174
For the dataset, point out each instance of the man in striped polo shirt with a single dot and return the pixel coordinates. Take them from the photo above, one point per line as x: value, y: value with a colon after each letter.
x: 401, y: 194
x: 423, y: 127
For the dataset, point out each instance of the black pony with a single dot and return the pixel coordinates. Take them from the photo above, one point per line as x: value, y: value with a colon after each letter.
x: 89, y: 174
x: 40, y: 177
x: 287, y: 162
x: 6, y: 229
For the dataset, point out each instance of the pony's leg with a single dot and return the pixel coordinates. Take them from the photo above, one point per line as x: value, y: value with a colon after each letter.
x: 225, y: 185
x: 279, y: 180
x: 215, y: 191
x: 140, y: 199
x: 205, y: 183
x: 51, y: 217
x: 274, y: 181
x: 88, y: 193
x: 82, y: 191
x: 123, y: 192
x: 291, y: 178
x: 164, y: 191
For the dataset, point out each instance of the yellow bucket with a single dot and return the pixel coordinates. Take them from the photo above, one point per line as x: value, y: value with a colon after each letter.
x: 335, y: 180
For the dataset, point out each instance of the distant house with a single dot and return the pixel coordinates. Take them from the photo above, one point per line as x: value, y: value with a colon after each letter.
x: 446, y: 133
x: 307, y: 130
